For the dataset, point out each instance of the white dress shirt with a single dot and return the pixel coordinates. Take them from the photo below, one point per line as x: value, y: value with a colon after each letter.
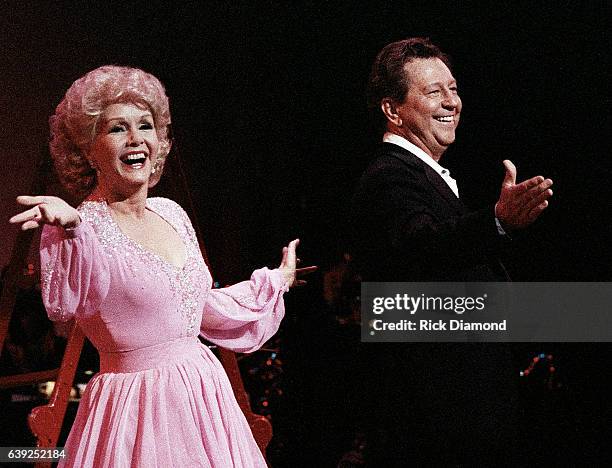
x: 395, y: 139
x: 423, y: 156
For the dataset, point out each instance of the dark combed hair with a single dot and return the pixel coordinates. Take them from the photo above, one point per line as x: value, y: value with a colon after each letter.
x: 387, y: 79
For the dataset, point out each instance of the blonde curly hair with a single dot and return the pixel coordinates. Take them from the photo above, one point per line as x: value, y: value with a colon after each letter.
x: 73, y: 127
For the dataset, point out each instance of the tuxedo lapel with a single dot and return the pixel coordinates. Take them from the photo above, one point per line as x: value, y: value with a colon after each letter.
x: 443, y: 189
x: 435, y: 179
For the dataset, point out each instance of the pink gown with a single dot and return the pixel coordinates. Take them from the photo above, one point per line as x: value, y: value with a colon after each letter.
x: 161, y: 398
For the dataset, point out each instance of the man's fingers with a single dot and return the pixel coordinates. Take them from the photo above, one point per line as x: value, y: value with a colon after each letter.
x: 537, y: 211
x: 529, y: 184
x: 538, y: 199
x: 535, y: 192
x: 510, y: 176
x: 546, y: 184
x: 520, y: 204
x: 531, y: 208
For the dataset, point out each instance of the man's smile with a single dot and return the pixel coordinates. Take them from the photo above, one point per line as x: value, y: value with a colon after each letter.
x: 445, y: 118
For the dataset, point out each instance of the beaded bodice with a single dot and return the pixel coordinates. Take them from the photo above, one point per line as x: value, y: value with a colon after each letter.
x: 162, y: 290
x: 128, y: 298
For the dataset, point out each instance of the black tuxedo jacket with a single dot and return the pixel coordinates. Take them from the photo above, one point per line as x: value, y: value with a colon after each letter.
x: 408, y: 225
x: 433, y: 403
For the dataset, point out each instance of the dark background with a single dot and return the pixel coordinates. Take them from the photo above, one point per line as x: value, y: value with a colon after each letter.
x: 271, y: 126
x: 270, y: 119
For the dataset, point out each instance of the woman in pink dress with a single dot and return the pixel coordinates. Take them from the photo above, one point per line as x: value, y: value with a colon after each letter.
x: 128, y: 268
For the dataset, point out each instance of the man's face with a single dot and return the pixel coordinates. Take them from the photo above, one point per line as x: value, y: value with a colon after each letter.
x: 431, y: 108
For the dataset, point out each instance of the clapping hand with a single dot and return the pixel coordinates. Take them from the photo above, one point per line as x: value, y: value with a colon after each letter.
x: 519, y: 205
x: 289, y: 263
x: 45, y: 210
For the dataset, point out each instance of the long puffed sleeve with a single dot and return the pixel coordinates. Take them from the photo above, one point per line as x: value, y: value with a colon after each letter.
x: 75, y: 272
x: 244, y: 316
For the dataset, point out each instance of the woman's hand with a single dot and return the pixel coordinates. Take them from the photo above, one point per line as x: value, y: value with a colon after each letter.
x: 45, y: 210
x: 288, y: 266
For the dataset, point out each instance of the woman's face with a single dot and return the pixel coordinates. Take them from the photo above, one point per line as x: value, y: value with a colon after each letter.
x: 124, y: 147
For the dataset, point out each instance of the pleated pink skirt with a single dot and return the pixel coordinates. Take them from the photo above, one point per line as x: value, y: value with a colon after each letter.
x: 168, y: 405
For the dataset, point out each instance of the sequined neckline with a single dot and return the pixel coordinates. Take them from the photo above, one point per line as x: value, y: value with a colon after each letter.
x: 137, y: 245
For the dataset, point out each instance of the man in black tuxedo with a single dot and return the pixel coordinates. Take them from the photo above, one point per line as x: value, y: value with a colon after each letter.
x: 411, y: 223
x: 446, y: 403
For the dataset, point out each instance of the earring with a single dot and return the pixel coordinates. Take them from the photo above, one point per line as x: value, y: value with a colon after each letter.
x: 158, y: 165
